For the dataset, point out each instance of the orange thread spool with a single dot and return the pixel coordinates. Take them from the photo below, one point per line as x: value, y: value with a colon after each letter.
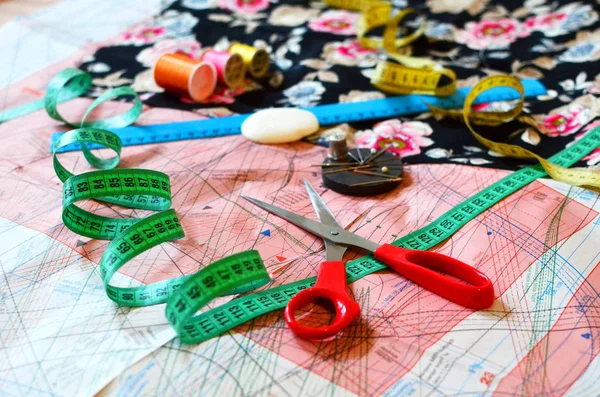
x: 181, y: 75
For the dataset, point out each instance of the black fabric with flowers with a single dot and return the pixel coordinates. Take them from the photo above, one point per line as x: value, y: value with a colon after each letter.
x: 315, y: 48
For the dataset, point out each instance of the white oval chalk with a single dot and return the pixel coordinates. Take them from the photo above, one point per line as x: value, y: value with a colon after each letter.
x: 279, y: 125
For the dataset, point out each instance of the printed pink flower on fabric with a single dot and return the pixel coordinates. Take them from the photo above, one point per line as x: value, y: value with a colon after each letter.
x: 335, y: 21
x: 548, y: 21
x: 566, y: 122
x: 401, y: 138
x: 354, y: 49
x: 244, y: 6
x: 349, y: 53
x: 140, y: 35
x: 189, y: 47
x: 571, y: 17
x: 488, y: 34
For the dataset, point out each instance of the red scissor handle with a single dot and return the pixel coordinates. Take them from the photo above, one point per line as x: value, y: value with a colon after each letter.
x: 331, y: 285
x: 422, y: 267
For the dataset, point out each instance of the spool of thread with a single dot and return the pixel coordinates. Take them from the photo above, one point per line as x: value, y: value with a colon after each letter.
x: 230, y: 67
x: 181, y: 75
x: 275, y: 80
x: 256, y: 61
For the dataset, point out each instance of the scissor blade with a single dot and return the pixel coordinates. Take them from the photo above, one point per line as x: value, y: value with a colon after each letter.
x: 309, y: 225
x: 323, y: 212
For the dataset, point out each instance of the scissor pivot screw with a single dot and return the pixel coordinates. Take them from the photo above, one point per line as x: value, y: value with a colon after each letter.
x: 334, y: 232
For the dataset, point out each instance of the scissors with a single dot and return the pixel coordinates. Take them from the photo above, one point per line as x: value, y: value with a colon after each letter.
x: 461, y: 283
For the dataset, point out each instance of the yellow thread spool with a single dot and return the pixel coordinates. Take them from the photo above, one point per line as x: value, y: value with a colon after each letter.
x: 257, y: 61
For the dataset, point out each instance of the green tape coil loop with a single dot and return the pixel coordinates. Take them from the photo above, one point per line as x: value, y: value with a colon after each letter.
x: 66, y: 85
x: 83, y: 136
x: 143, y: 235
x: 118, y: 121
x: 184, y: 295
x: 132, y: 188
x: 235, y: 274
x: 70, y: 84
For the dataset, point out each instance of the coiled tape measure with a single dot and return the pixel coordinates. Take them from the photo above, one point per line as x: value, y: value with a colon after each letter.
x: 149, y: 190
x: 407, y: 74
x: 142, y: 189
x: 555, y: 169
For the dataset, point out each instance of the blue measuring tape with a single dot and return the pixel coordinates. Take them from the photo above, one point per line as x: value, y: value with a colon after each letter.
x: 326, y: 114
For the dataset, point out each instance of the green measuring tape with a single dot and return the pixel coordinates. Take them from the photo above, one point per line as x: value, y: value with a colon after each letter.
x: 142, y: 189
x: 70, y: 84
x: 132, y: 188
x: 184, y: 295
x: 241, y: 310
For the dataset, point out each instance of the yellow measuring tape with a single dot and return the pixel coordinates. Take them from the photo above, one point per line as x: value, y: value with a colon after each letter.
x: 408, y: 74
x: 573, y: 176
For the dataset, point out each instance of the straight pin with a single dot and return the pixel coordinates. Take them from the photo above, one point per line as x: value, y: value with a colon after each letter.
x: 354, y: 158
x: 374, y: 173
x: 388, y: 160
x: 374, y: 156
x: 368, y: 158
x: 330, y: 164
x: 376, y: 182
x: 348, y: 169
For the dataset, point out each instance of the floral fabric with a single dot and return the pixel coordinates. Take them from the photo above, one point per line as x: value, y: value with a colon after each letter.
x: 316, y: 50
